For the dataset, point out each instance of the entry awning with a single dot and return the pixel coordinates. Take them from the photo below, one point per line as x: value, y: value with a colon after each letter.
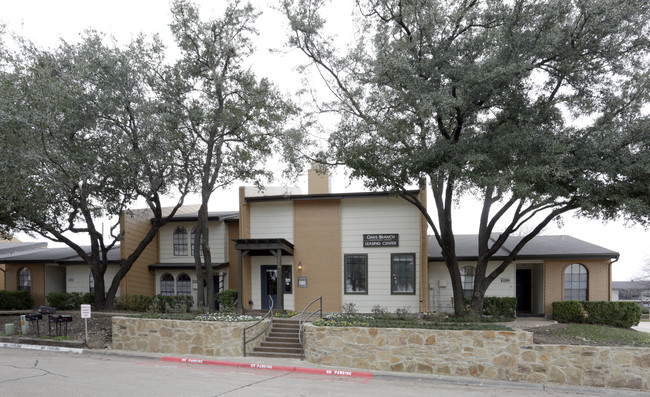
x: 264, y: 246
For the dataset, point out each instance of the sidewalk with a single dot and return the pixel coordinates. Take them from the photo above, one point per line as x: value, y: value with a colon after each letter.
x: 644, y: 326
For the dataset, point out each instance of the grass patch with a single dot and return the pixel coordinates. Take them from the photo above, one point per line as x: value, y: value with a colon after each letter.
x: 601, y: 335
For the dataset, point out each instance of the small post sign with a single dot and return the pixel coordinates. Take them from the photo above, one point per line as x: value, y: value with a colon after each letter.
x: 85, y: 311
x: 85, y: 314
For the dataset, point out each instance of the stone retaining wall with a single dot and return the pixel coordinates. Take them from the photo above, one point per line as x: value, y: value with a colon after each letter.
x: 209, y: 338
x: 504, y: 355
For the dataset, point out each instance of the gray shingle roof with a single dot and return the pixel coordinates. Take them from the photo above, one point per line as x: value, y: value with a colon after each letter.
x: 540, y: 247
x: 62, y: 255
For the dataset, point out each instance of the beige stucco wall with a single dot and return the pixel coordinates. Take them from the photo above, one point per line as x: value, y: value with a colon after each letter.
x: 210, y: 338
x: 317, y: 238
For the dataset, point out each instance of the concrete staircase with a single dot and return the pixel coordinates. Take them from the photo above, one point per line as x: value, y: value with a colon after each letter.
x: 281, y: 342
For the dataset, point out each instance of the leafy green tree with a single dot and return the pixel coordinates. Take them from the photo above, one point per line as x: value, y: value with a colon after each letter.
x: 85, y: 135
x: 537, y: 108
x: 235, y: 119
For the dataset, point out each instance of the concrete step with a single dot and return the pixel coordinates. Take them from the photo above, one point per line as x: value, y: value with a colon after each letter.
x: 271, y: 349
x: 290, y: 345
x: 276, y: 339
x: 292, y: 327
x: 274, y: 355
x: 276, y: 334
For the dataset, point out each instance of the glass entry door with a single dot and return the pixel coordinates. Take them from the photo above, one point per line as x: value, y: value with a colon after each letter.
x: 269, y: 286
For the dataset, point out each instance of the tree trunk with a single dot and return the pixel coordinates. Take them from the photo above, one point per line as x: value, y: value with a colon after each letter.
x: 200, y: 294
x: 203, y: 230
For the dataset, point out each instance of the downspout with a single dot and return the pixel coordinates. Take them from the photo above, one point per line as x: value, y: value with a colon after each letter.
x: 609, y: 274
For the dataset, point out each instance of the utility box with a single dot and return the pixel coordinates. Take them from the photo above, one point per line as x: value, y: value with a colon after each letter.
x: 24, y: 325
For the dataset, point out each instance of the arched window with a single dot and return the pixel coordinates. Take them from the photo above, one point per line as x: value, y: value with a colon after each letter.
x: 576, y: 282
x: 91, y: 282
x: 167, y: 284
x: 180, y: 241
x: 467, y: 278
x: 183, y: 284
x: 24, y: 280
x: 192, y: 237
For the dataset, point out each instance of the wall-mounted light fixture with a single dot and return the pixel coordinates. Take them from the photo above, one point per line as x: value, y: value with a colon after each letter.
x: 299, y: 265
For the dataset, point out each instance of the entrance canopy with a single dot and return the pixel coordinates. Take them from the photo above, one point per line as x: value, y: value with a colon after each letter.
x: 276, y: 247
x: 264, y: 246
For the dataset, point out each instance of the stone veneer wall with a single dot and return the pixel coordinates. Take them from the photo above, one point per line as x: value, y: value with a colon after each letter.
x: 504, y: 355
x: 209, y: 338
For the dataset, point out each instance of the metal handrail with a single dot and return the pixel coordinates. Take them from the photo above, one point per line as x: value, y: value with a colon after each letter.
x: 268, y: 314
x: 303, y: 321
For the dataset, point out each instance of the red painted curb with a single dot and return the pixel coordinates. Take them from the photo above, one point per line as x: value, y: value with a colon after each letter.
x: 283, y: 368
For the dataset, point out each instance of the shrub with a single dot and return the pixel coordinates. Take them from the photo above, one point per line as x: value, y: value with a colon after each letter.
x: 171, y: 304
x: 227, y: 300
x: 380, y: 312
x: 65, y: 300
x: 134, y: 303
x: 350, y: 308
x: 15, y: 300
x: 618, y: 314
x: 568, y: 312
x: 88, y: 298
x: 504, y: 308
x: 402, y: 313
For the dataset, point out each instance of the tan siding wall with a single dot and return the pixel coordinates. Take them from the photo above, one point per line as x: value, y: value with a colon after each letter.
x: 37, y: 271
x: 317, y: 237
x: 599, y: 280
x: 139, y: 280
x: 3, y: 268
x: 233, y: 233
x: 244, y: 232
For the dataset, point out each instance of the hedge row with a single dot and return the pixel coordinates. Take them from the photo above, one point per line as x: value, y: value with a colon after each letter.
x: 618, y: 314
x: 156, y: 304
x: 500, y: 307
x: 15, y: 300
x: 70, y: 300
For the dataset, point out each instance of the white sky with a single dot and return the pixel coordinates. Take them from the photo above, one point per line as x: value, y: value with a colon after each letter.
x: 45, y: 22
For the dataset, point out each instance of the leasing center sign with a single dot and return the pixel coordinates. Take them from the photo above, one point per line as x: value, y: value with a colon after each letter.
x: 381, y: 240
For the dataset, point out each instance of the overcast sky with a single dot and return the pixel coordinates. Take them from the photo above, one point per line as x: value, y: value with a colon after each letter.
x: 45, y: 22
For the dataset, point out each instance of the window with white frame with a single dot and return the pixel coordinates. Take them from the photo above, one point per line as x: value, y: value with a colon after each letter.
x: 356, y: 273
x: 183, y: 284
x: 91, y: 282
x: 180, y: 241
x: 576, y: 282
x: 24, y: 280
x: 402, y: 268
x: 166, y: 284
x: 192, y: 237
x: 467, y: 274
